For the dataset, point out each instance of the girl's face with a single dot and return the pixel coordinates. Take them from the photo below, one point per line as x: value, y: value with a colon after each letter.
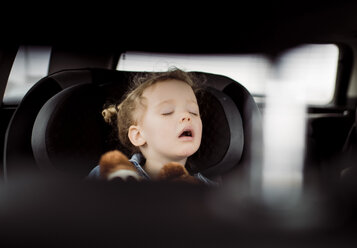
x: 171, y: 124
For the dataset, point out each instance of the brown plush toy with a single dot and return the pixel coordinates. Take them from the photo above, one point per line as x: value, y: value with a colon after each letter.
x: 114, y: 164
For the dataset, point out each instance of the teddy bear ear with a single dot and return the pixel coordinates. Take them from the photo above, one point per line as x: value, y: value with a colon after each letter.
x: 175, y: 172
x: 172, y: 170
x: 135, y: 136
x: 109, y: 161
x: 113, y: 157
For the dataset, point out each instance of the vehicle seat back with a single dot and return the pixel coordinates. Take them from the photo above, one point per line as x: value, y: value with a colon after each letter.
x: 349, y: 154
x: 18, y: 155
x: 69, y: 134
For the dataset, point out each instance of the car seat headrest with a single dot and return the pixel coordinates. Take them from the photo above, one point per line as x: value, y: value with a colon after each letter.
x: 222, y: 135
x: 67, y: 135
x: 18, y: 154
x: 70, y: 134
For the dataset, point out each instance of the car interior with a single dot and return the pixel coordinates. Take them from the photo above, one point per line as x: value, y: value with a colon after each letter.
x: 67, y: 132
x: 54, y: 134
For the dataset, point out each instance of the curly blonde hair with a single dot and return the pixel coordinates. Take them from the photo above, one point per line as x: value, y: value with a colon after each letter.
x: 122, y: 115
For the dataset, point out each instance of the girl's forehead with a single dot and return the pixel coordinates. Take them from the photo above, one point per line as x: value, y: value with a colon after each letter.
x: 171, y: 88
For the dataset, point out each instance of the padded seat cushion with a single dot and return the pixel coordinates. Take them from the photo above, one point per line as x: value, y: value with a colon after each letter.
x: 70, y: 134
x: 68, y: 131
x: 222, y: 135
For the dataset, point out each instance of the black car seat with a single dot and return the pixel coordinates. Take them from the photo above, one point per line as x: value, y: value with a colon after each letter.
x: 69, y: 134
x: 348, y: 157
x: 18, y: 155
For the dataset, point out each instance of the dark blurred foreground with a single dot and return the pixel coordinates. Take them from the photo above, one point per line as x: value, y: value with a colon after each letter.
x: 62, y: 212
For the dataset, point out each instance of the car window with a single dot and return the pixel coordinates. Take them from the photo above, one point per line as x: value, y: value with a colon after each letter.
x: 314, y: 65
x: 30, y: 65
x: 314, y: 68
x: 252, y: 68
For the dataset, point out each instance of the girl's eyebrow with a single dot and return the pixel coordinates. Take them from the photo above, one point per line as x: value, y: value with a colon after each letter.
x: 193, y: 101
x: 172, y: 101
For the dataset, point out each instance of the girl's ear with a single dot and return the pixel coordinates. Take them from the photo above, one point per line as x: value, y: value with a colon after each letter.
x: 135, y: 136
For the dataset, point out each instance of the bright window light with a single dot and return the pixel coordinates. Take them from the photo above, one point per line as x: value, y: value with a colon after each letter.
x: 249, y: 70
x: 316, y: 65
x: 301, y: 76
x: 30, y: 65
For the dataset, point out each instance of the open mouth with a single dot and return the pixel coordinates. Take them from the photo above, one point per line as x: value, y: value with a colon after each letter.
x: 186, y: 134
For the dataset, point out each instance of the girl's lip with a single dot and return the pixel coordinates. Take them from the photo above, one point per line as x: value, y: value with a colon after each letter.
x: 186, y: 138
x: 190, y: 129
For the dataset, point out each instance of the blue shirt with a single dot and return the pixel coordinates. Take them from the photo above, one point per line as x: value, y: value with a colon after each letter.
x: 136, y: 159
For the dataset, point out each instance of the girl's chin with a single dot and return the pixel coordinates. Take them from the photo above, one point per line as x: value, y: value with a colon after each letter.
x: 187, y: 153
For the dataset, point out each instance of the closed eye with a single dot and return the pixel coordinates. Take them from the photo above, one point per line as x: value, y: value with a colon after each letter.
x: 194, y: 113
x: 168, y: 113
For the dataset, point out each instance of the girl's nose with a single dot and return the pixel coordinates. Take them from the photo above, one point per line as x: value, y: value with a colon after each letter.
x: 185, y: 118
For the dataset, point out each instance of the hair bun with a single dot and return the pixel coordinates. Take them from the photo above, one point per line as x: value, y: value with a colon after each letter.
x: 110, y: 114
